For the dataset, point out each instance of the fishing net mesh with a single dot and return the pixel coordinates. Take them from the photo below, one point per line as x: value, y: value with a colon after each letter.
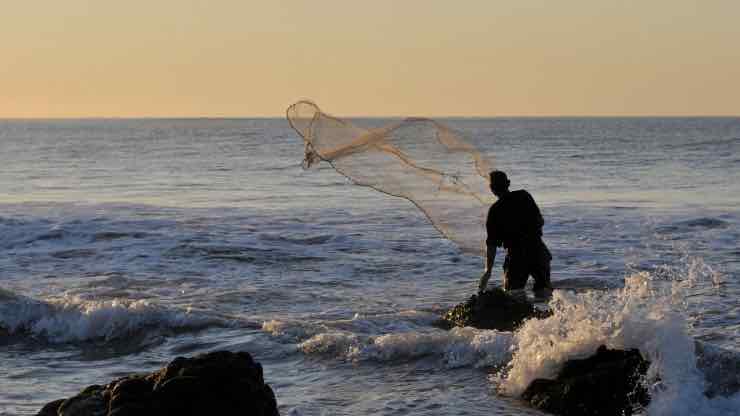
x: 417, y: 159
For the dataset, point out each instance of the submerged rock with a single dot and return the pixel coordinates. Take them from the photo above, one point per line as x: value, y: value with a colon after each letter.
x: 218, y: 383
x: 605, y: 384
x: 492, y: 309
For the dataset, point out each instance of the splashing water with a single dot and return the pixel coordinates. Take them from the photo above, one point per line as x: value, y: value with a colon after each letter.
x: 416, y: 159
x: 648, y: 314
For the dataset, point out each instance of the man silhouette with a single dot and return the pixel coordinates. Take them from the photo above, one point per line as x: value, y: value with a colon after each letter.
x: 515, y: 222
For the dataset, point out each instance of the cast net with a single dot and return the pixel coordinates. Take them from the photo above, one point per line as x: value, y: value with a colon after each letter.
x: 418, y: 159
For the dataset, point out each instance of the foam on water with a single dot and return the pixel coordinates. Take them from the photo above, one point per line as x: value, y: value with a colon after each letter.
x: 459, y: 347
x: 648, y: 314
x: 73, y: 319
x: 291, y: 331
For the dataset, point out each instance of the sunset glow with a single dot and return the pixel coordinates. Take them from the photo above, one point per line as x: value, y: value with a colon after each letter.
x: 187, y: 58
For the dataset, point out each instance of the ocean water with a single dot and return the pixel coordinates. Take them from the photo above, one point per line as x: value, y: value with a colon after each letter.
x: 125, y: 243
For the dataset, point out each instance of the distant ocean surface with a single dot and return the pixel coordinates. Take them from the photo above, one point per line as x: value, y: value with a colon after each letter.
x: 125, y: 243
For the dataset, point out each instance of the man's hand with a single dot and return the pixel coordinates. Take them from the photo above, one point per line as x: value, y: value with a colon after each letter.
x: 483, y: 283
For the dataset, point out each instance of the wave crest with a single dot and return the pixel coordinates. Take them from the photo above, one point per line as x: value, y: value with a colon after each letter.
x: 73, y: 319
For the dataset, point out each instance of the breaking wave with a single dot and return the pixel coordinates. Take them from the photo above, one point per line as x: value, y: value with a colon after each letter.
x: 459, y: 347
x: 648, y: 314
x: 73, y: 319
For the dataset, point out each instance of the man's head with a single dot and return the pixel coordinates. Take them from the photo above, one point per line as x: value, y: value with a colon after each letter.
x: 499, y: 183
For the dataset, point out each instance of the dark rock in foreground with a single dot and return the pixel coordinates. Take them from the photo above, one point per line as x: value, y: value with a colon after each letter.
x: 492, y: 309
x: 218, y: 383
x: 605, y: 384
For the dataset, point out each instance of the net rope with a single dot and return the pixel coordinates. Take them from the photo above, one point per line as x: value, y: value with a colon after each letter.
x: 417, y: 159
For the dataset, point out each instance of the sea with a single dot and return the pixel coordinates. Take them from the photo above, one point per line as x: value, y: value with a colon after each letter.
x: 125, y: 243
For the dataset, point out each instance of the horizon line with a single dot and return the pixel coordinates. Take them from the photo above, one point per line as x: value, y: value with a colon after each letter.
x: 399, y: 117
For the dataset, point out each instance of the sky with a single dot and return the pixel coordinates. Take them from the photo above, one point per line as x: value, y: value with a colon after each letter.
x: 468, y: 58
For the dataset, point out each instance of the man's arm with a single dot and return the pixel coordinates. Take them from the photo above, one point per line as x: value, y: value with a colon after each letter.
x: 491, y: 244
x: 490, y: 257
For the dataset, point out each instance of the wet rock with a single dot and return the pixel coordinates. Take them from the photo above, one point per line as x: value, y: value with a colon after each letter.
x: 605, y: 384
x: 90, y: 402
x: 51, y: 408
x: 721, y: 369
x: 217, y: 383
x: 492, y: 309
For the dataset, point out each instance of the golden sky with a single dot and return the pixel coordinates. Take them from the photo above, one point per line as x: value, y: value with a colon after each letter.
x: 159, y: 58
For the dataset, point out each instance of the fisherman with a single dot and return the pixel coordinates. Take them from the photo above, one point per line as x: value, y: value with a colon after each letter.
x: 515, y: 222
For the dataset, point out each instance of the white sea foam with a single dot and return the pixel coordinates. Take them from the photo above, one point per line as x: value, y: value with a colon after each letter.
x: 386, y: 338
x: 73, y: 319
x: 457, y: 348
x: 648, y: 314
x: 332, y: 343
x: 291, y: 331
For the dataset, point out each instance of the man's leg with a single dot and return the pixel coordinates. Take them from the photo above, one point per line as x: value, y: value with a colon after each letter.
x: 541, y: 275
x: 540, y: 268
x: 515, y: 271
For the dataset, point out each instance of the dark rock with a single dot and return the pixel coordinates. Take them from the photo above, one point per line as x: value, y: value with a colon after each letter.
x: 90, y: 402
x: 219, y: 383
x: 492, y: 309
x: 51, y: 408
x: 128, y: 394
x: 721, y: 369
x: 605, y: 384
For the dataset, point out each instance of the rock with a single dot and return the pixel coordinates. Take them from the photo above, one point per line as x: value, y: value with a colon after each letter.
x: 217, y: 383
x: 721, y: 369
x: 492, y: 309
x: 130, y: 395
x: 90, y: 402
x: 51, y: 408
x: 605, y: 384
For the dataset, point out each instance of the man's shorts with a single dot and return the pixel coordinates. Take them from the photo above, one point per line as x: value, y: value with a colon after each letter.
x: 525, y: 259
